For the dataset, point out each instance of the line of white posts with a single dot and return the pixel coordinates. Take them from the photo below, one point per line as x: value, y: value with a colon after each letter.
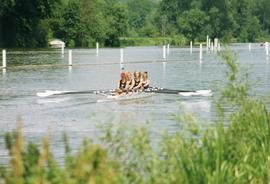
x: 166, y: 50
x: 212, y: 46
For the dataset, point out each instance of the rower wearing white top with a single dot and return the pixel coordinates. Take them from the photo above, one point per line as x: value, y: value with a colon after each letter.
x: 137, y: 81
x: 145, y: 81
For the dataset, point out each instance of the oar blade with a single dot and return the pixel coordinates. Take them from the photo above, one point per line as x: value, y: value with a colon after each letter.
x: 197, y: 93
x: 40, y: 94
x: 48, y: 93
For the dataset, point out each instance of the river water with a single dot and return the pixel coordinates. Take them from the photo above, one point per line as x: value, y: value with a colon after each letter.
x: 79, y: 115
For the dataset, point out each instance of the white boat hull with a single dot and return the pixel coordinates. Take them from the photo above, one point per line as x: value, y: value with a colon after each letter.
x: 126, y: 97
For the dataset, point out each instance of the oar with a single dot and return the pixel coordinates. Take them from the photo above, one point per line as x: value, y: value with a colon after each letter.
x: 181, y: 92
x: 170, y: 91
x: 48, y: 93
x: 178, y: 91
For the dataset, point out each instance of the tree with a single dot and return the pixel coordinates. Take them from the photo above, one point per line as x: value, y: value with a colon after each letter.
x: 221, y: 17
x: 6, y: 6
x: 250, y: 31
x: 193, y: 24
x: 118, y: 24
x: 94, y: 19
x: 24, y: 23
x: 140, y: 15
x: 72, y: 24
x: 262, y: 11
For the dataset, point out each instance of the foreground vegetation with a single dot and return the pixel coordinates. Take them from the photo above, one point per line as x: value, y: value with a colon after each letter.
x: 81, y: 23
x: 238, y: 152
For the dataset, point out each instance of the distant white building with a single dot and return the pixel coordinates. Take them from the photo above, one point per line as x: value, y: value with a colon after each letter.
x: 56, y: 43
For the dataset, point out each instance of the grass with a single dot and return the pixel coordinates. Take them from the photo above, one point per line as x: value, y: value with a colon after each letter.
x: 238, y: 153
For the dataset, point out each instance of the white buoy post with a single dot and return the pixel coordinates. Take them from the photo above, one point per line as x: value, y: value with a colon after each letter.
x: 207, y: 42
x: 121, y: 59
x: 212, y: 46
x: 200, y: 51
x: 190, y: 47
x: 121, y: 56
x: 249, y: 47
x: 62, y: 49
x: 215, y: 43
x: 168, y: 49
x: 164, y: 52
x: 70, y: 57
x: 4, y: 58
x: 267, y: 48
x: 97, y: 47
x: 219, y: 49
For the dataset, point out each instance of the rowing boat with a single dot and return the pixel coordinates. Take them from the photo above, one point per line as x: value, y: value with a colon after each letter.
x: 110, y: 93
x: 125, y: 97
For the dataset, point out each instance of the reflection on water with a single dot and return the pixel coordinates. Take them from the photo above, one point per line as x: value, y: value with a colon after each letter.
x: 79, y: 114
x: 4, y: 72
x: 202, y: 105
x: 52, y: 100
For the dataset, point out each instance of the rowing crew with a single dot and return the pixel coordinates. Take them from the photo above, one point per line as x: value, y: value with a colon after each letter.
x: 135, y: 82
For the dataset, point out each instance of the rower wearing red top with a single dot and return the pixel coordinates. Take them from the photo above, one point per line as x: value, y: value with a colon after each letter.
x: 122, y: 84
x: 145, y: 81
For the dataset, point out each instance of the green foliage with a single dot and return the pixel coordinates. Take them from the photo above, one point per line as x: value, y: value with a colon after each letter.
x: 236, y: 153
x: 157, y: 41
x: 263, y: 14
x: 32, y: 165
x: 23, y: 23
x: 140, y: 14
x: 192, y: 24
x: 81, y: 23
x: 72, y: 24
x: 6, y: 6
x: 117, y: 27
x: 222, y: 19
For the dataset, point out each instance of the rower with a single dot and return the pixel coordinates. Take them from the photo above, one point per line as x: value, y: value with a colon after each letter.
x: 137, y: 81
x: 130, y: 81
x: 122, y: 83
x: 145, y: 81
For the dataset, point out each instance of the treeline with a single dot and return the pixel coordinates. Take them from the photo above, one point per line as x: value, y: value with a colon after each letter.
x: 81, y: 23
